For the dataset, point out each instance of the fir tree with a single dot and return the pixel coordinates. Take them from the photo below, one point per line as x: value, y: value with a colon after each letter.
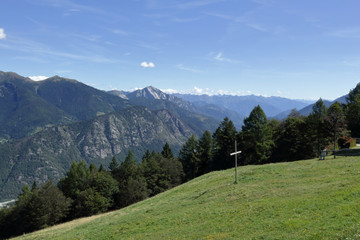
x: 205, y: 148
x: 166, y: 152
x: 256, y: 138
x: 223, y: 143
x: 189, y: 159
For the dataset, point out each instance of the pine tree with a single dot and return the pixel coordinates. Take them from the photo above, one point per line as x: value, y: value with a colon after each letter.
x: 132, y: 185
x: 353, y: 111
x: 189, y: 159
x: 93, y: 169
x: 223, y: 145
x: 147, y: 155
x: 256, y: 138
x: 205, y: 148
x: 113, y: 166
x: 166, y: 152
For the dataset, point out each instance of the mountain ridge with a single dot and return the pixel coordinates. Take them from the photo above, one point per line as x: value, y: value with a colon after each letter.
x: 50, y: 152
x: 244, y: 104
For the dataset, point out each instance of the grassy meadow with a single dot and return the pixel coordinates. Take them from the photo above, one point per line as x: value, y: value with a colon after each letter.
x: 309, y: 199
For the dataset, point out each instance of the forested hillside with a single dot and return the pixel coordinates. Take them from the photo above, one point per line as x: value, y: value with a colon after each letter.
x: 298, y: 200
x: 87, y: 190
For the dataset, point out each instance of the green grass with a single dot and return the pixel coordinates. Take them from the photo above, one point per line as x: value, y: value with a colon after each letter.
x: 300, y: 200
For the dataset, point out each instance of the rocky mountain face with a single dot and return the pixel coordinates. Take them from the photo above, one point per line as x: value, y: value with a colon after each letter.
x: 156, y: 99
x: 46, y: 125
x: 49, y: 153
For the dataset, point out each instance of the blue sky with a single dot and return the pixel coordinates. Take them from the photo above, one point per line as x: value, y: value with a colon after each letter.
x: 291, y: 48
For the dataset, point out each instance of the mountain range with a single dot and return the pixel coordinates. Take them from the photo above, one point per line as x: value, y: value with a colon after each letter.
x: 45, y: 125
x: 243, y: 105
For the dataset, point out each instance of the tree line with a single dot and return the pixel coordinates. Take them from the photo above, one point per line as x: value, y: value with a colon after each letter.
x: 88, y: 190
x: 264, y: 140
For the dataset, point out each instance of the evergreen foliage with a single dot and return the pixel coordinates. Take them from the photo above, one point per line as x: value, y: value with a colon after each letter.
x: 256, y: 138
x: 132, y: 185
x: 92, y: 191
x: 205, y: 153
x: 292, y: 141
x: 113, y: 164
x: 188, y: 156
x: 35, y: 209
x: 161, y: 173
x: 352, y: 111
x: 317, y: 127
x: 223, y: 143
x: 166, y: 152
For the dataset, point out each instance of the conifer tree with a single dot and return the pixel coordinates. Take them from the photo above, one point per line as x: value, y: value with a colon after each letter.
x: 147, y: 155
x: 256, y: 138
x: 189, y: 159
x: 113, y: 166
x: 205, y: 148
x: 132, y: 185
x: 166, y: 152
x: 352, y: 111
x: 223, y: 143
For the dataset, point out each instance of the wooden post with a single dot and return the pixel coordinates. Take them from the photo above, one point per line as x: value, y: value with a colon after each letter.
x: 235, y: 153
x: 235, y: 163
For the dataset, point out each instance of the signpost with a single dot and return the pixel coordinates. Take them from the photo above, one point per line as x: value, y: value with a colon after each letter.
x: 232, y: 154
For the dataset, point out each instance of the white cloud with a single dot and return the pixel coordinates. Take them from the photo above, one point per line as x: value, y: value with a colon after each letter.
x: 2, y: 34
x: 198, y: 90
x: 220, y: 57
x: 211, y: 92
x: 38, y: 78
x: 169, y: 91
x: 181, y: 67
x: 147, y: 64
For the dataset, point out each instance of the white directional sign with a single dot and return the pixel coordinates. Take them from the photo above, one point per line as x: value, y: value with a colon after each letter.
x: 232, y: 154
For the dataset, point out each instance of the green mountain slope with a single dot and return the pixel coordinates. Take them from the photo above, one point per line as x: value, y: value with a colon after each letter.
x: 37, y: 142
x: 27, y: 106
x: 22, y: 111
x: 299, y: 200
x: 77, y: 99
